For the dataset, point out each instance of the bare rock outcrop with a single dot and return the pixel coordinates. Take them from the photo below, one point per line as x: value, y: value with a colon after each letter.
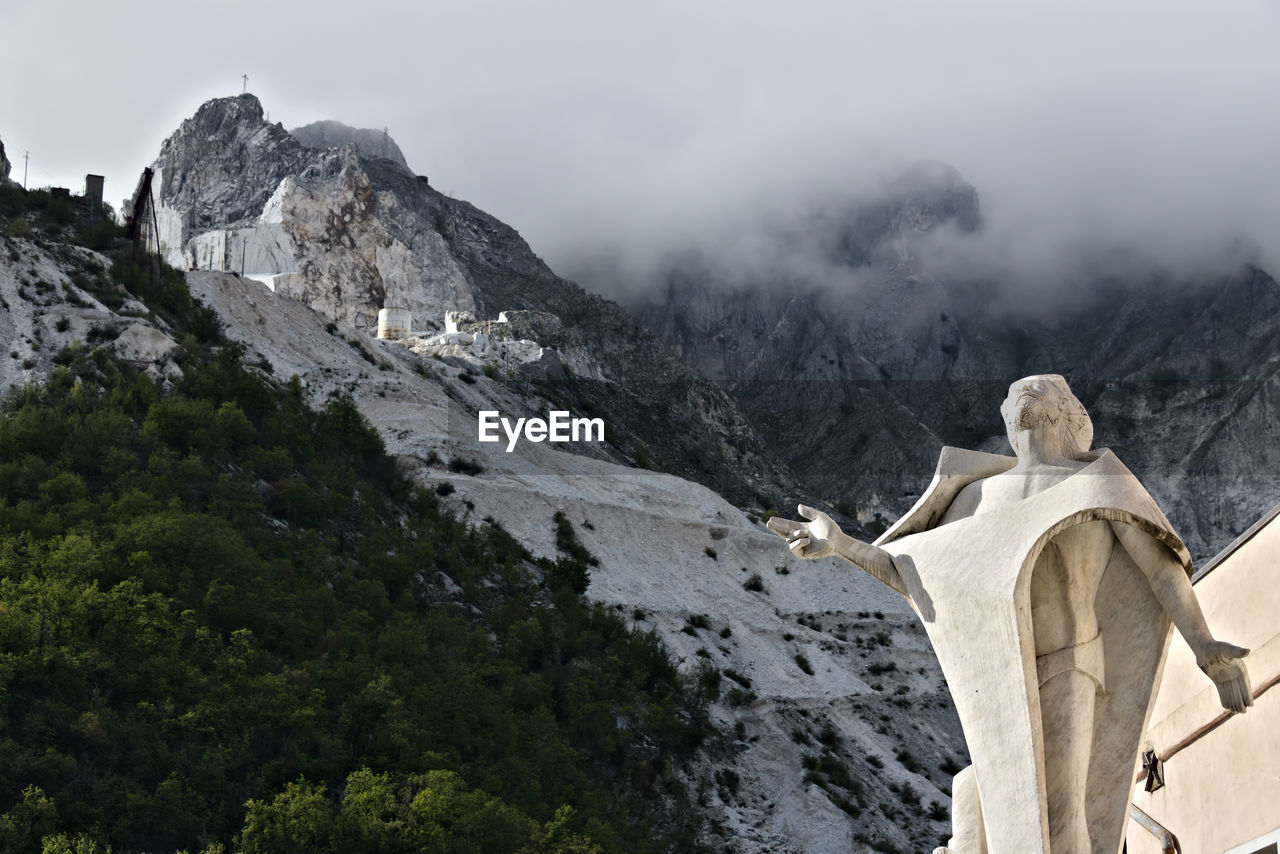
x: 5, y: 166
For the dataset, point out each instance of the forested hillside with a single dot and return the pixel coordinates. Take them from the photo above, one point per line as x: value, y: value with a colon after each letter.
x: 228, y: 623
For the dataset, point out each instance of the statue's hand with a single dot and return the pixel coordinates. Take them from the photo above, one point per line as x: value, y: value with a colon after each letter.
x: 811, y: 539
x: 1221, y: 662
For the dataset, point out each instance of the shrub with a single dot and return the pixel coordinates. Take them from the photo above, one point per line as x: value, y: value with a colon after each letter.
x: 567, y: 540
x: 907, y: 761
x: 465, y: 465
x: 728, y: 779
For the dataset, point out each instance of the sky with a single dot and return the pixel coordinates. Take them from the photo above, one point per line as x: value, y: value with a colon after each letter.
x: 631, y: 130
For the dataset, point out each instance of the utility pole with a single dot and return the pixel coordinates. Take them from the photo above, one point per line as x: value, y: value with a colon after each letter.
x: 244, y: 88
x: 385, y: 137
x: 26, y: 155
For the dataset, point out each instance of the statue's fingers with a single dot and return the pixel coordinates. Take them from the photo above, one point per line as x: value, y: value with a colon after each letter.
x: 1230, y: 651
x: 1246, y: 693
x: 808, y: 512
x: 781, y: 526
x: 1244, y: 697
x: 798, y: 546
x: 1235, y: 694
x: 1225, y: 696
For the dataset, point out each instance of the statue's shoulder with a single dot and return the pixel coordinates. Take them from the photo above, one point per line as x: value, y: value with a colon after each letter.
x: 1103, y: 461
x: 956, y: 469
x: 972, y: 465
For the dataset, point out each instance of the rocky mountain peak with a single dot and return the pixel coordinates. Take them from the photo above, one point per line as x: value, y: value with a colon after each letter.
x: 220, y: 123
x: 933, y: 194
x: 222, y: 165
x: 881, y: 227
x: 369, y: 142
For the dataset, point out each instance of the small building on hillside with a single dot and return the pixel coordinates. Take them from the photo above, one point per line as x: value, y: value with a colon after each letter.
x: 93, y: 185
x: 1215, y: 777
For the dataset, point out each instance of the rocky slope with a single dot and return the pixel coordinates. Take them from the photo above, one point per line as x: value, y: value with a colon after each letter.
x: 885, y: 358
x: 867, y: 707
x: 47, y: 304
x: 348, y: 235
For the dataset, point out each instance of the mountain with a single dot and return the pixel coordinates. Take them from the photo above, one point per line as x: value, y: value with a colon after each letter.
x: 884, y: 357
x: 349, y: 235
x: 5, y: 166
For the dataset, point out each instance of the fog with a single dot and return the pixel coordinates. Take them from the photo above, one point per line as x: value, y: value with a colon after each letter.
x: 612, y: 136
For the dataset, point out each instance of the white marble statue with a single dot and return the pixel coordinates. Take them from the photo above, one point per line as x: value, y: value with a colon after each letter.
x: 1047, y: 582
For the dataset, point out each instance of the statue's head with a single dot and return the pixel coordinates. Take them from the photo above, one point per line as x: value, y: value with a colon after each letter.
x: 1045, y: 399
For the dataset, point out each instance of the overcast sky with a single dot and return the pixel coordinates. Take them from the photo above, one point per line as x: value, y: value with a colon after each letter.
x: 591, y: 124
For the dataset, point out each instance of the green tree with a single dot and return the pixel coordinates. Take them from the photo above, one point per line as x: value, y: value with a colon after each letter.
x: 298, y: 819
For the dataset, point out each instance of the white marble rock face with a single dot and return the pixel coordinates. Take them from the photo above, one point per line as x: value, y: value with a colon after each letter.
x: 308, y: 221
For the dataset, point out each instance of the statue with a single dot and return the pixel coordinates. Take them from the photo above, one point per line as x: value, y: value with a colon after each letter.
x: 1046, y: 582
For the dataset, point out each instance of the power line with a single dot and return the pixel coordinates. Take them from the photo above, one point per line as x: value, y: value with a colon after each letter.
x: 29, y: 166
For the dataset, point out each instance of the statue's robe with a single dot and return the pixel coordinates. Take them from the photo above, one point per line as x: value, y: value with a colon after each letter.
x: 969, y: 581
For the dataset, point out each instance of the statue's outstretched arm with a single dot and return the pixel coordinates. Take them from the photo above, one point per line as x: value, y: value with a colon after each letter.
x: 1221, y: 661
x: 822, y: 537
